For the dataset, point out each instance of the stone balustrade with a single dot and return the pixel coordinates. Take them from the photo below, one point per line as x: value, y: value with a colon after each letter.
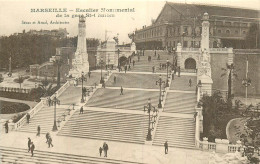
x: 17, y: 90
x: 190, y: 49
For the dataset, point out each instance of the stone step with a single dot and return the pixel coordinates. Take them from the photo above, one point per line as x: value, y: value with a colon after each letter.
x: 51, y: 157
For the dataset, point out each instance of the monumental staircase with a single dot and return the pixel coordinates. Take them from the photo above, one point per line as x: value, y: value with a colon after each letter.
x: 179, y: 132
x: 44, y: 118
x: 176, y: 123
x: 177, y: 102
x: 144, y: 66
x: 111, y: 126
x: 131, y: 100
x: 21, y: 156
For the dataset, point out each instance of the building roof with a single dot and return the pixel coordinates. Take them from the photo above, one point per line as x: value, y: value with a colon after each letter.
x: 199, y: 9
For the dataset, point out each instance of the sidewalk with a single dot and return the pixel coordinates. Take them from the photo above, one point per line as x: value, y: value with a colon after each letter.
x: 117, y: 150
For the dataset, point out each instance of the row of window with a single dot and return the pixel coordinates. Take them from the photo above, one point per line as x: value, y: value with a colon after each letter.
x: 150, y: 33
x: 230, y: 23
x: 195, y: 44
x: 229, y: 32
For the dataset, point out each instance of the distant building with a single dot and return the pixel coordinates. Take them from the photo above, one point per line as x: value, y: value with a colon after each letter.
x: 59, y: 33
x: 181, y: 23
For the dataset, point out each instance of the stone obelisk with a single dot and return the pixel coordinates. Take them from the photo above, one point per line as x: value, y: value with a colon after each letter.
x: 204, y: 68
x: 80, y: 62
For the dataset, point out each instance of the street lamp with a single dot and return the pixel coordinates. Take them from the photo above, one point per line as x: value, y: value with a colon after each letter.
x: 149, y: 107
x: 82, y: 90
x: 101, y: 64
x: 160, y: 82
x: 167, y: 81
x: 55, y: 101
x: 246, y: 82
x: 118, y: 51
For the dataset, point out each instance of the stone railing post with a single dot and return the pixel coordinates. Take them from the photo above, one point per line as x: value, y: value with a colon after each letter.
x: 205, y: 143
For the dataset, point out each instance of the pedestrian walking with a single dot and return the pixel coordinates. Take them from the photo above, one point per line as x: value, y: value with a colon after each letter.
x: 121, y: 91
x: 50, y: 142
x: 89, y: 73
x: 38, y: 131
x: 28, y: 117
x: 47, y: 137
x: 6, y: 127
x: 158, y: 57
x: 194, y: 117
x: 103, y: 85
x: 49, y: 101
x: 114, y: 79
x: 166, y: 147
x: 179, y: 71
x: 32, y: 148
x: 100, y: 151
x: 153, y: 68
x: 81, y: 110
x: 29, y: 144
x: 173, y: 76
x: 155, y: 53
x: 129, y: 67
x: 133, y: 63
x: 75, y: 83
x: 105, y: 148
x: 125, y: 68
x: 190, y: 82
x: 138, y: 58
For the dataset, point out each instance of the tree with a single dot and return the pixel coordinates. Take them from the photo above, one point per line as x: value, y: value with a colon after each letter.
x: 20, y: 80
x: 58, y: 63
x: 214, y: 108
x: 230, y: 71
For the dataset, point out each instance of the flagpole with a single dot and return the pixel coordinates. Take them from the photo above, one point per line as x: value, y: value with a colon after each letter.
x: 246, y: 76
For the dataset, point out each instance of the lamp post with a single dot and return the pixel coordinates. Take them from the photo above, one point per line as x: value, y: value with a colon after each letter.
x: 167, y: 81
x: 149, y: 107
x: 82, y: 92
x: 101, y: 64
x: 247, y: 81
x: 118, y: 51
x: 160, y: 82
x: 55, y: 101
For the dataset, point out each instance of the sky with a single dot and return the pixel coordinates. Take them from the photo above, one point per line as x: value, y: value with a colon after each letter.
x: 12, y: 13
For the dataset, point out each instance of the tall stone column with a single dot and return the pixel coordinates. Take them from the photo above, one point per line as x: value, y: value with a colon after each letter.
x: 204, y: 68
x: 178, y: 53
x: 80, y: 62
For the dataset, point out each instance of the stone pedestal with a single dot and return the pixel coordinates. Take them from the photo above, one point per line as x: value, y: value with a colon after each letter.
x: 221, y: 145
x: 206, y: 84
x: 178, y: 53
x: 45, y: 100
x: 205, y: 143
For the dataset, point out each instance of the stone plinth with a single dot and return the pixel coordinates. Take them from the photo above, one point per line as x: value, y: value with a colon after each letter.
x: 221, y: 145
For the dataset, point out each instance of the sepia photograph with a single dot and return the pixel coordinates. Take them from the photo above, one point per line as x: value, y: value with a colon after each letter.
x: 130, y: 82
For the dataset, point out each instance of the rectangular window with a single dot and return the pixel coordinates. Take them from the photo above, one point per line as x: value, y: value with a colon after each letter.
x: 186, y: 30
x: 219, y: 23
x: 185, y: 44
x: 228, y: 23
x: 244, y: 24
x: 236, y: 23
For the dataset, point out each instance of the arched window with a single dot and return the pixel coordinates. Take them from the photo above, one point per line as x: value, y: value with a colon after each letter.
x: 228, y: 31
